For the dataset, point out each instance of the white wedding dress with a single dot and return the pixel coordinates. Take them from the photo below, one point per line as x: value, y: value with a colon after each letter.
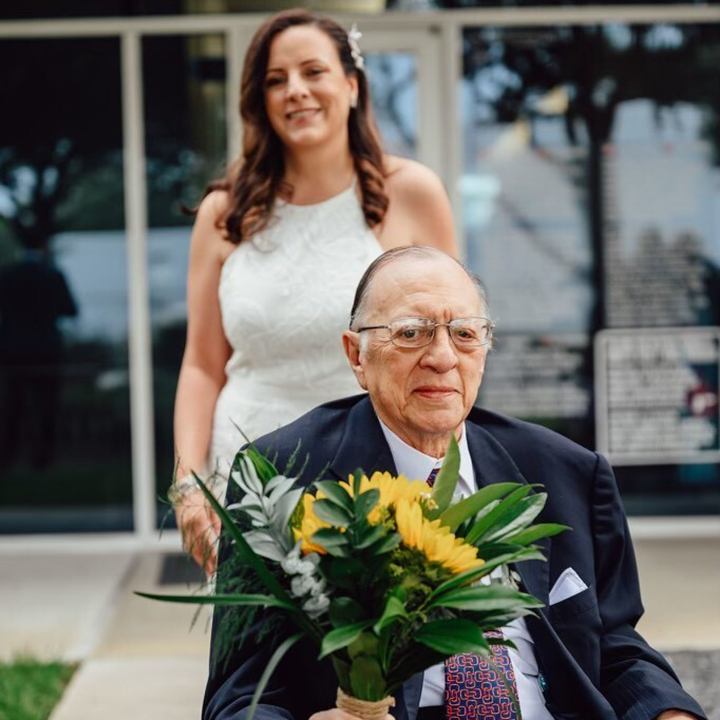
x: 285, y: 298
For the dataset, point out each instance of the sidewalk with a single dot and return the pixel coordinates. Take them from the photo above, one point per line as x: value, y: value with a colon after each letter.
x: 146, y: 660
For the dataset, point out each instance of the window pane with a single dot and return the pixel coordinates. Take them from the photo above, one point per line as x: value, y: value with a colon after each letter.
x: 185, y: 138
x: 64, y: 403
x: 591, y: 198
x: 393, y: 88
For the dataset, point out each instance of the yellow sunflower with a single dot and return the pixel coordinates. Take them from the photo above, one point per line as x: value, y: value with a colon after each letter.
x: 434, y: 540
x: 391, y: 490
x: 310, y: 524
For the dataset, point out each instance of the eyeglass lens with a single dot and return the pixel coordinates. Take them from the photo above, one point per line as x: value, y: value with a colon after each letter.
x: 416, y: 332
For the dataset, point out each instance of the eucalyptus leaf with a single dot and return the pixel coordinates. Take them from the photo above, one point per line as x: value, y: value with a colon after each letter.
x: 284, y: 508
x: 342, y: 637
x: 283, y: 486
x: 265, y: 545
x: 332, y: 513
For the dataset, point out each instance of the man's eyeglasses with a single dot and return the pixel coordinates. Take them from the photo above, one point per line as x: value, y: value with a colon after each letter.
x: 466, y: 333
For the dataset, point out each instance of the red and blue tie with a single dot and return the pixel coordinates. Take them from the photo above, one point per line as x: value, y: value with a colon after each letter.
x: 474, y: 688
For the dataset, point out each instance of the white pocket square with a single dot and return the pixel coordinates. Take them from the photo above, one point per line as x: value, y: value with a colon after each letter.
x: 568, y: 584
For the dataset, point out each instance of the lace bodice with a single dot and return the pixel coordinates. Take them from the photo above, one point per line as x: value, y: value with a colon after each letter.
x: 285, y: 298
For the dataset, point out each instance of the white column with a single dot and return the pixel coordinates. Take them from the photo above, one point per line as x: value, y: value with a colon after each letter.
x: 139, y: 336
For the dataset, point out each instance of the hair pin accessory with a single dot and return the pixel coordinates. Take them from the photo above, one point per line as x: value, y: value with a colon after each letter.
x: 353, y: 36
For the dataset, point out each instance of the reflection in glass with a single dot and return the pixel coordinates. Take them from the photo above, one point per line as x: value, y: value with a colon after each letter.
x: 185, y: 139
x: 64, y: 393
x: 591, y: 201
x: 393, y: 90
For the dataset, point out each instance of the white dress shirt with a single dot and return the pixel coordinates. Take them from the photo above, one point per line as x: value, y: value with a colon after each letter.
x: 415, y: 465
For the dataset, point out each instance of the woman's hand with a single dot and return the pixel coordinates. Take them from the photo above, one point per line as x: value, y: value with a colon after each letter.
x: 200, y: 529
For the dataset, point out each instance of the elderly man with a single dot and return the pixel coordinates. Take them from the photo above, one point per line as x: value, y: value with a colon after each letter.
x: 418, y: 343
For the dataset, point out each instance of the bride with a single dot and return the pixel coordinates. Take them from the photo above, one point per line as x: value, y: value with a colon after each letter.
x: 278, y: 248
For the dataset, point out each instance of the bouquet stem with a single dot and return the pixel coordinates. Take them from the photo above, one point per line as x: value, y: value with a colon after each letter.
x: 365, y: 709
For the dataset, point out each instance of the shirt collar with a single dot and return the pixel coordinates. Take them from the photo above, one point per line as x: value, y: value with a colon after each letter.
x: 415, y: 465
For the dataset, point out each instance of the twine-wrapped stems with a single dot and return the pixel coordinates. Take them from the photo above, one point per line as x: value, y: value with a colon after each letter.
x: 365, y: 709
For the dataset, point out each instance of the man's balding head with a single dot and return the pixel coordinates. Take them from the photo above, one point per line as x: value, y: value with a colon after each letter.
x: 410, y: 253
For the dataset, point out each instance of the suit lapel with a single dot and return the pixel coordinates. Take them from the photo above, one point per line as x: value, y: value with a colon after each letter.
x: 492, y: 464
x: 362, y: 445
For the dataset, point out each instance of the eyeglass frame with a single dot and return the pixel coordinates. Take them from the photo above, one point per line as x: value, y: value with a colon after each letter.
x: 435, y: 326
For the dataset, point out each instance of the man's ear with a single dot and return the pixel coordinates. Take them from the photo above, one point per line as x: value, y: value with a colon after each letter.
x: 351, y: 343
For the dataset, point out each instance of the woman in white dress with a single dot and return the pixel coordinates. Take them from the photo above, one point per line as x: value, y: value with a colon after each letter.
x: 278, y: 248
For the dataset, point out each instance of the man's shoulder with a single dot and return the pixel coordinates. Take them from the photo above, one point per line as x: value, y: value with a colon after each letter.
x: 520, y: 437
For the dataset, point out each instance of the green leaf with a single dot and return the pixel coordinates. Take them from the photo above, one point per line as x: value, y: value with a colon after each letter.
x: 470, y: 576
x: 345, y: 611
x: 386, y: 544
x: 451, y: 637
x: 366, y: 679
x: 229, y: 599
x: 447, y: 479
x: 488, y: 521
x: 371, y: 535
x: 366, y: 644
x: 342, y: 637
x: 274, y: 661
x: 517, y: 518
x: 357, y: 481
x: 394, y: 610
x: 471, y: 506
x: 264, y: 468
x: 332, y: 513
x: 366, y: 501
x: 337, y: 493
x: 485, y: 598
x: 344, y: 574
x: 329, y: 537
x: 536, y: 532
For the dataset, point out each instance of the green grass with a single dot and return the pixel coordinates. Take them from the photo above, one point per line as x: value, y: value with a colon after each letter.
x: 30, y: 689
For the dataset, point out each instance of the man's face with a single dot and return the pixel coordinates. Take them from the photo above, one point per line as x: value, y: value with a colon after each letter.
x: 419, y: 393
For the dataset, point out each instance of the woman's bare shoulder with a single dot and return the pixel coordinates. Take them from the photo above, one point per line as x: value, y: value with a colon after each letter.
x: 410, y: 180
x: 209, y: 234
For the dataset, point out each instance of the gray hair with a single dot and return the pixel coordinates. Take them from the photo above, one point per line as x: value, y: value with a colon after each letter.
x: 362, y: 294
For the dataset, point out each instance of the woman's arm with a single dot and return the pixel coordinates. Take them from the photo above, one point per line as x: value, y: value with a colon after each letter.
x: 202, y: 376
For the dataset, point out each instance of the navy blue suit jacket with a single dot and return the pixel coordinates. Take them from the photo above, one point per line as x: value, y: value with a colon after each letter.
x: 596, y: 665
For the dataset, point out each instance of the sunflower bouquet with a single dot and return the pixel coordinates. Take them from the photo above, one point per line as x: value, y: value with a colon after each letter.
x: 386, y: 576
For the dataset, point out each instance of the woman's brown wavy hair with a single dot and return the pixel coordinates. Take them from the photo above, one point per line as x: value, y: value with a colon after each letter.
x: 254, y: 180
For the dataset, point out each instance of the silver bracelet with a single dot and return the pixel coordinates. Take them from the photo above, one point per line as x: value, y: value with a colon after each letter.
x: 181, y: 488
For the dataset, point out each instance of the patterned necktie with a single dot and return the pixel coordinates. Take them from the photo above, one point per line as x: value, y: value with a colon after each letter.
x: 431, y: 477
x: 474, y: 689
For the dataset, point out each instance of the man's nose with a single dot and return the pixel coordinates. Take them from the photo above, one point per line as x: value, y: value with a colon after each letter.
x: 440, y: 355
